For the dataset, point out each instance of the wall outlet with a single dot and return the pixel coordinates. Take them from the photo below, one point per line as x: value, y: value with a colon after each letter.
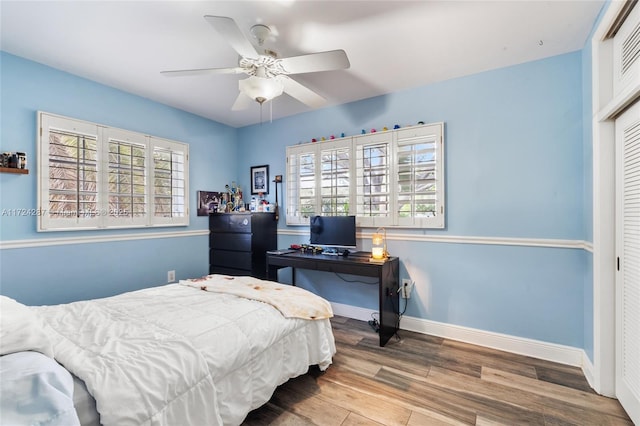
x: 171, y: 276
x: 405, y: 288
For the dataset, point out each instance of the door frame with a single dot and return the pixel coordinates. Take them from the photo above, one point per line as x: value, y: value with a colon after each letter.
x: 605, y: 107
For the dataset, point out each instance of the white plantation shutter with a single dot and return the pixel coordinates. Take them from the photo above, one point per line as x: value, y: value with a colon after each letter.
x: 169, y: 182
x: 335, y: 178
x: 373, y: 179
x: 68, y: 180
x: 420, y: 176
x: 92, y: 176
x: 127, y: 178
x: 301, y: 184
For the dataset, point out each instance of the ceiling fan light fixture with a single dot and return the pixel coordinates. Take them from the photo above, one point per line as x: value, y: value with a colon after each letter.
x: 260, y: 32
x: 261, y: 89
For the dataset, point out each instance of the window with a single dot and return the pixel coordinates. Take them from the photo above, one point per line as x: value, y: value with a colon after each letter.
x: 334, y: 179
x: 392, y: 178
x: 373, y: 181
x: 419, y: 177
x: 91, y: 176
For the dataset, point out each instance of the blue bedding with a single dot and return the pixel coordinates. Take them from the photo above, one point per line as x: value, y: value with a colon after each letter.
x: 35, y: 389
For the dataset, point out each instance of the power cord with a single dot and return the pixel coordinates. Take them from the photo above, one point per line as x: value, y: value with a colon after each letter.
x: 400, y: 314
x: 374, y: 323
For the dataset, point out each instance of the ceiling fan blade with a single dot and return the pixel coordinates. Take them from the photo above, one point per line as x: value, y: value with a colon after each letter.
x: 201, y: 71
x: 228, y: 28
x: 242, y: 102
x: 301, y: 93
x: 315, y: 62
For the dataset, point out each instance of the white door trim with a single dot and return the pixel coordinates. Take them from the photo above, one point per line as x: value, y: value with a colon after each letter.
x: 606, y: 105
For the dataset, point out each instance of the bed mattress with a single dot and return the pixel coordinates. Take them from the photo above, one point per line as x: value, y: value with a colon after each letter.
x: 248, y: 348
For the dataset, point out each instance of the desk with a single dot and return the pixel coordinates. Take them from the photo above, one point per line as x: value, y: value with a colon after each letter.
x: 388, y: 274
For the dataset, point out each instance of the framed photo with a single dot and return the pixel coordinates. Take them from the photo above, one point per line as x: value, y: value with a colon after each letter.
x: 208, y: 202
x: 259, y: 179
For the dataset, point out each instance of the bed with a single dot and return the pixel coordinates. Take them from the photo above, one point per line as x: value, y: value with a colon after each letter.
x: 205, y: 351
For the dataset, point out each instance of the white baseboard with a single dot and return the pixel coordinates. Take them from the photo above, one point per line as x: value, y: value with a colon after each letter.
x: 504, y: 342
x: 354, y: 312
x: 588, y: 370
x: 529, y: 347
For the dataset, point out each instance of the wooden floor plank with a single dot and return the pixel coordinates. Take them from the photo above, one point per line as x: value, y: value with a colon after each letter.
x: 488, y: 399
x: 572, y: 378
x: 476, y: 355
x: 482, y: 420
x: 358, y: 420
x: 566, y: 394
x: 420, y: 397
x: 431, y: 418
x: 382, y: 358
x: 271, y: 414
x: 312, y: 408
x: 359, y: 401
x: 426, y: 380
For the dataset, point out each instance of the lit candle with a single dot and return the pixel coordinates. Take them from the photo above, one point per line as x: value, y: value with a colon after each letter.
x: 377, y: 252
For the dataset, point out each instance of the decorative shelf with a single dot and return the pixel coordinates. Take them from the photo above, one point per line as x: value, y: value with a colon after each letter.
x: 14, y: 170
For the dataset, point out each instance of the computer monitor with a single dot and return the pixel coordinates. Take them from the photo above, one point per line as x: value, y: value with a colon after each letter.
x: 333, y: 231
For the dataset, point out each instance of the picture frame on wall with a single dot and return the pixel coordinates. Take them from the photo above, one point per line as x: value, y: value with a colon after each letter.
x: 208, y: 202
x: 259, y: 180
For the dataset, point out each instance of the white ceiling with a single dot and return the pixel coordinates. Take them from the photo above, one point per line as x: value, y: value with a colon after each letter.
x: 392, y: 45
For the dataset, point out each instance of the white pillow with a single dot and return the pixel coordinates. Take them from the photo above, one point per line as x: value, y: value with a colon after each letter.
x: 21, y: 329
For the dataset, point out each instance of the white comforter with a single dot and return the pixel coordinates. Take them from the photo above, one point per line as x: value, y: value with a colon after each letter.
x: 177, y: 355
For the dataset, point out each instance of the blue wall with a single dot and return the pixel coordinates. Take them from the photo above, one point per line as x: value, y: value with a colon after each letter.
x: 62, y: 273
x: 514, y: 169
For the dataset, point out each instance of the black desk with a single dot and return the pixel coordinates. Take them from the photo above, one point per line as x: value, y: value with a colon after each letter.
x: 388, y: 274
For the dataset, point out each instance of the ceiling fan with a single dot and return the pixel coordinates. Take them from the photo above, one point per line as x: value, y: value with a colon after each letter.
x: 268, y: 74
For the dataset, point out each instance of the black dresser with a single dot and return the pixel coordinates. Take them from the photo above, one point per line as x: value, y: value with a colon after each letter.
x: 238, y: 243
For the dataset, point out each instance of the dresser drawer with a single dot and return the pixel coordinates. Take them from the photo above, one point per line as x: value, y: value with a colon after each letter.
x: 228, y: 271
x: 230, y: 223
x: 228, y: 241
x: 230, y: 259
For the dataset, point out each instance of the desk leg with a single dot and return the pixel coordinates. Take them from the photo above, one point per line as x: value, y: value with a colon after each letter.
x: 293, y: 276
x: 272, y: 273
x: 389, y: 300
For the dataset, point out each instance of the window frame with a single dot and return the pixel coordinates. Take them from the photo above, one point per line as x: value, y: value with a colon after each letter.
x: 395, y: 140
x: 104, y: 217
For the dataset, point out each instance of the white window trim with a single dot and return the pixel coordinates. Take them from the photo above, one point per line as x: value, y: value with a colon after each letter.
x: 434, y: 130
x: 103, y: 134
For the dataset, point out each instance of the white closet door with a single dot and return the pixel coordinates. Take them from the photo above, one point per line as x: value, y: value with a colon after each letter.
x: 628, y: 252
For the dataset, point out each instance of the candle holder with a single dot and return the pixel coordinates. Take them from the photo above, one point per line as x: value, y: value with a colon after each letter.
x: 379, y: 252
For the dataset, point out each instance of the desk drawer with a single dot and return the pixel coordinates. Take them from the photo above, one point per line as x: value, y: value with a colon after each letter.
x: 231, y: 259
x: 351, y: 268
x: 303, y: 263
x: 227, y: 241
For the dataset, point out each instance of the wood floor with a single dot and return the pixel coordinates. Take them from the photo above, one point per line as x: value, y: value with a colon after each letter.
x: 425, y: 380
